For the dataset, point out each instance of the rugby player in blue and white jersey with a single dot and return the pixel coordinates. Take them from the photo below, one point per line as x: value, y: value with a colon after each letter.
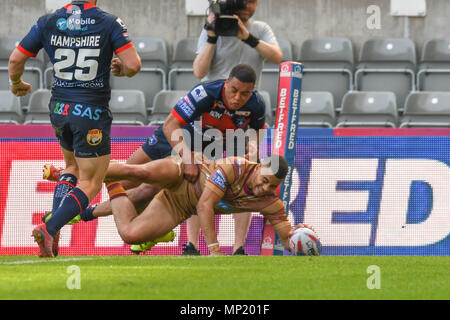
x: 80, y: 40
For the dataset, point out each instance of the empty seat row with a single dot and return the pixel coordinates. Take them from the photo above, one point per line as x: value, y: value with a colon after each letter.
x: 375, y: 109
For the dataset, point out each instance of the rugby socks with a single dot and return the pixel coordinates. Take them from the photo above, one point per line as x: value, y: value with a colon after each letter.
x: 71, y: 206
x: 66, y: 183
x: 115, y: 190
x: 88, y: 213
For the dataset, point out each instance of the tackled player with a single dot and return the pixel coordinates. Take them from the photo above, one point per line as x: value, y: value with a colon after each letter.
x: 225, y: 186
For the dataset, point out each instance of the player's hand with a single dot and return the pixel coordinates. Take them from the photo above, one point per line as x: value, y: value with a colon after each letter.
x: 116, y: 67
x: 216, y: 251
x: 191, y: 172
x: 243, y: 33
x: 300, y: 225
x: 21, y: 88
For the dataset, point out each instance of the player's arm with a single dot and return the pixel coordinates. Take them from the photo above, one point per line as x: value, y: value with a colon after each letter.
x: 127, y: 63
x: 283, y: 227
x: 172, y: 129
x: 16, y: 68
x: 205, y: 212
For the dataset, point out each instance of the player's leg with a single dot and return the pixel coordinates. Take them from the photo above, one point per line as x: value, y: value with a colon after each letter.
x: 241, y: 225
x: 156, y: 147
x: 161, y: 173
x: 91, y: 174
x: 139, y: 195
x: 47, y: 234
x: 155, y: 221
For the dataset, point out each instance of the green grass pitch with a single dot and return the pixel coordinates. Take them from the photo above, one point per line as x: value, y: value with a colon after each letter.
x: 223, y: 278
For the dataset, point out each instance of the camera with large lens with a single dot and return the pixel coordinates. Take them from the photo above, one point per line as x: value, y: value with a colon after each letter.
x: 225, y: 24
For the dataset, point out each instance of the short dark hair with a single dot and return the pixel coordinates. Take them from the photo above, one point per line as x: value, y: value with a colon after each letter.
x: 277, y: 164
x: 244, y: 73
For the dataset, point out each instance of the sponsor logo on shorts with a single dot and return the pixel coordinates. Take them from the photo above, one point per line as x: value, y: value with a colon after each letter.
x: 218, y: 178
x: 152, y: 140
x: 88, y: 112
x: 199, y: 93
x: 94, y: 137
x: 61, y: 108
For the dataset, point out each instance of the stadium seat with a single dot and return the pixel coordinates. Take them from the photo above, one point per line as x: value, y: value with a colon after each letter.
x: 163, y: 104
x: 38, y: 112
x: 33, y: 69
x: 269, y: 111
x: 270, y: 72
x: 128, y: 107
x: 317, y: 110
x: 181, y: 74
x: 10, y: 110
x: 153, y: 75
x: 328, y: 66
x: 368, y: 109
x: 387, y: 64
x: 426, y: 109
x: 434, y: 68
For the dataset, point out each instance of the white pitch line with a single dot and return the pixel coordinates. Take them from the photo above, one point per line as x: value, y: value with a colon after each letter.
x: 46, y: 260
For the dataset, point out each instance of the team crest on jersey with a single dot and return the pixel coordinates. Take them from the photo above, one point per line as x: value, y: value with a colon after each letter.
x: 121, y: 23
x: 94, y: 137
x: 239, y: 121
x: 199, y: 93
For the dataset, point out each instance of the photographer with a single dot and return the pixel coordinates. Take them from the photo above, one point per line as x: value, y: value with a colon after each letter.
x: 255, y: 42
x: 216, y: 56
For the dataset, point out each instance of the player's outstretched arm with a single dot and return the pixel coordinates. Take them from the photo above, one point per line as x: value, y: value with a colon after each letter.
x: 127, y: 63
x: 205, y: 212
x: 172, y: 129
x: 16, y: 68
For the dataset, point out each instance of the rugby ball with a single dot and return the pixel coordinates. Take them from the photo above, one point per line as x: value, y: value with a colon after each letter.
x: 305, y: 242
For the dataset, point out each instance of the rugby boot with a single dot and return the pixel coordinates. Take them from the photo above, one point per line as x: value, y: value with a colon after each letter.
x: 240, y: 252
x: 189, y: 249
x: 44, y: 240
x: 146, y: 246
x: 50, y: 172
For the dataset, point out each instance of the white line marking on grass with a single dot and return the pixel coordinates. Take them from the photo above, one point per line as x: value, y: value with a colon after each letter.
x: 46, y: 260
